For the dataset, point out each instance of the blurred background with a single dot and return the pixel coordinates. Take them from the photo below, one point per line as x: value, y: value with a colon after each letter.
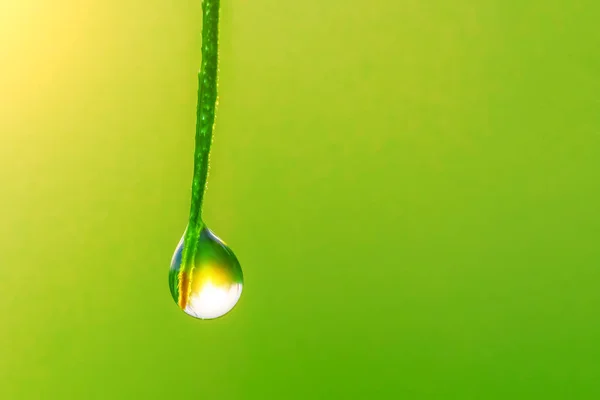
x: 411, y: 188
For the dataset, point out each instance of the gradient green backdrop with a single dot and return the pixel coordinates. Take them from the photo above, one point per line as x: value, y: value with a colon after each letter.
x: 412, y: 188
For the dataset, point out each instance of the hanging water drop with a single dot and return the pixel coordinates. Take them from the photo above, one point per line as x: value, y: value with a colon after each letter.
x: 210, y: 284
x: 205, y: 276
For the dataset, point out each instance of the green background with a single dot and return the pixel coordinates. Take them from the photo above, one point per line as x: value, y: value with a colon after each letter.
x: 412, y: 188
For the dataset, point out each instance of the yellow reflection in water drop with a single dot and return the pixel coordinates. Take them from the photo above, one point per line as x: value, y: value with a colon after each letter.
x: 211, y: 284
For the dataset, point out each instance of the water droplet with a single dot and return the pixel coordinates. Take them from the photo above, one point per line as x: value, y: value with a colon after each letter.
x: 211, y: 284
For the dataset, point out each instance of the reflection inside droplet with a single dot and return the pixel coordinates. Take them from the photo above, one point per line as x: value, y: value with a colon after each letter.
x: 211, y: 285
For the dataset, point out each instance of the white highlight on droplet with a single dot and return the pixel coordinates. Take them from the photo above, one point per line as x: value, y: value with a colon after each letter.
x: 213, y: 301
